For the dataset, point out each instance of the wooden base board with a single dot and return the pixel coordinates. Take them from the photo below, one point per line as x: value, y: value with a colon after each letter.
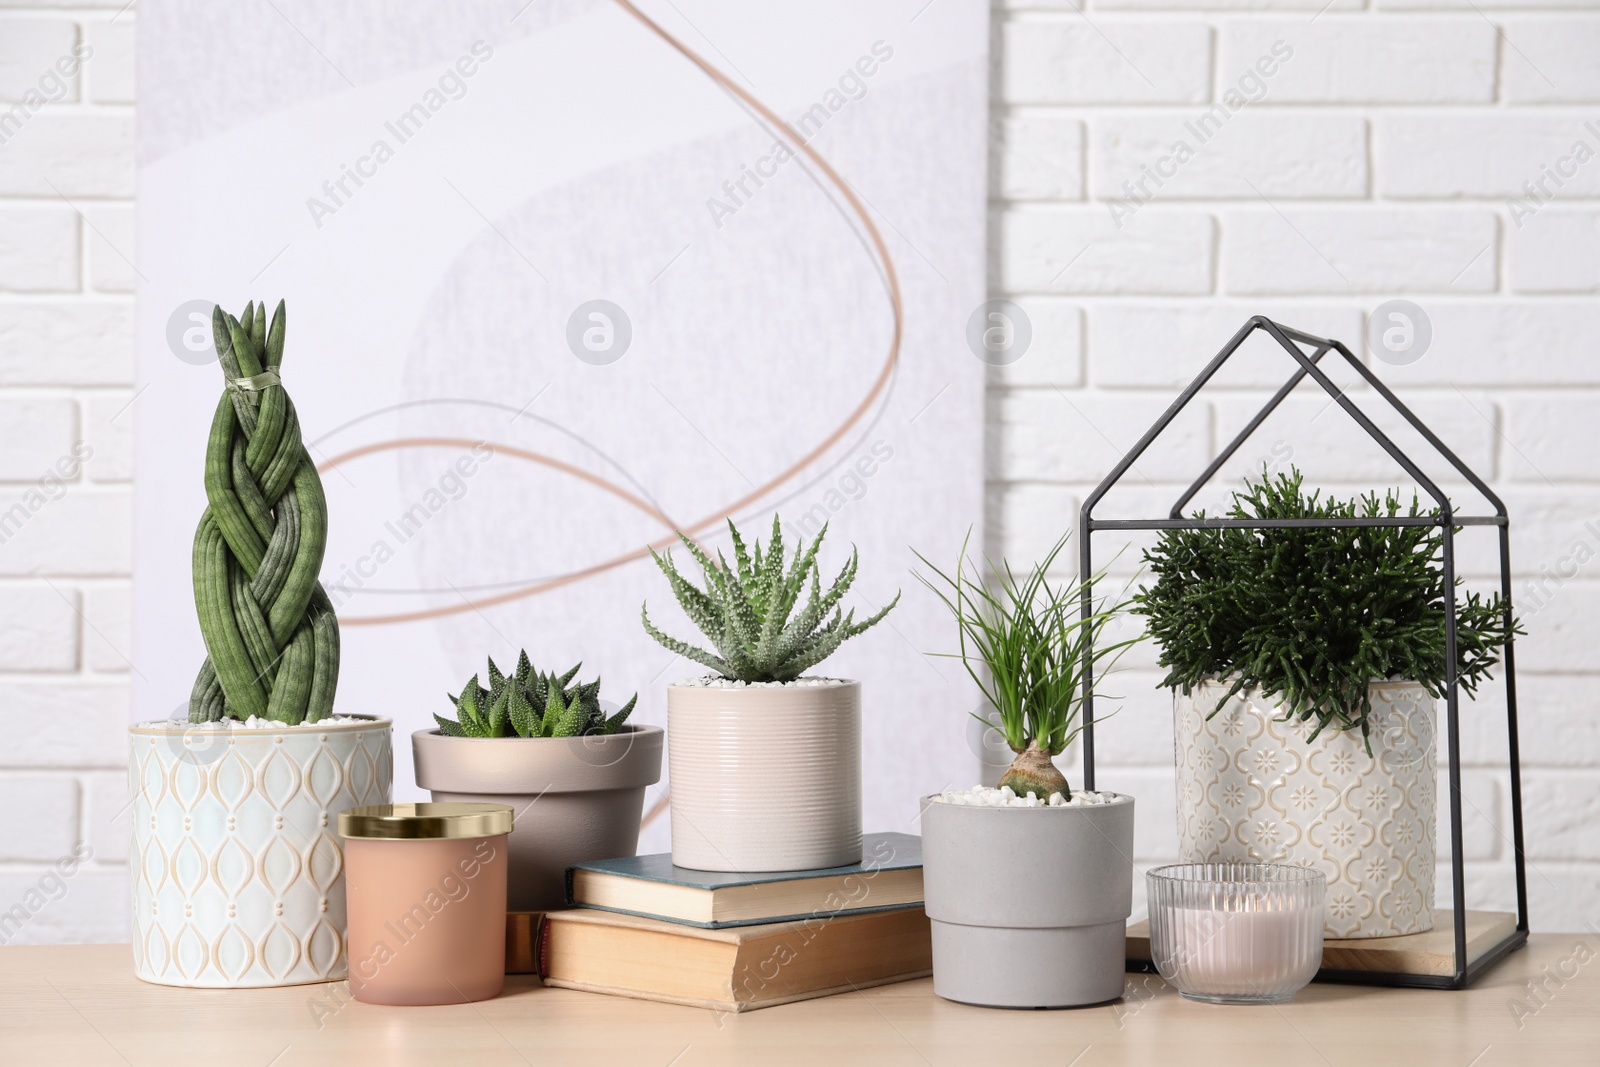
x: 1430, y: 953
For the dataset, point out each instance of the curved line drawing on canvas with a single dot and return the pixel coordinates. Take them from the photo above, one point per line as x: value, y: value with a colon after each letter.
x: 885, y: 374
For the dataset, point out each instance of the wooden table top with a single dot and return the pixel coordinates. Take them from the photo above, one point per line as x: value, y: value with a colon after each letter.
x: 80, y: 1004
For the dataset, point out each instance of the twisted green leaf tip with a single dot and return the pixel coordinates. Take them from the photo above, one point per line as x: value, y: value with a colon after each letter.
x: 747, y: 611
x: 272, y: 641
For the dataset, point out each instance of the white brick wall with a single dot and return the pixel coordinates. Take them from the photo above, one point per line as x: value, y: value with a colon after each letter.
x: 1357, y: 59
x: 1374, y: 162
x: 32, y: 47
x: 1556, y: 252
x: 1049, y: 250
x: 39, y: 250
x: 1067, y: 61
x: 1488, y: 154
x: 1289, y: 156
x: 1359, y: 250
x: 66, y: 365
x: 1551, y: 60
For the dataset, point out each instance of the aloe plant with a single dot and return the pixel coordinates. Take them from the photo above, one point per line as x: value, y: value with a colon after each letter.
x: 272, y: 640
x: 747, y: 611
x: 529, y: 703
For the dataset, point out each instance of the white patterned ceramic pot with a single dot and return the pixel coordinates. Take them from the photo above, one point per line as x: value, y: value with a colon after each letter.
x: 1251, y: 788
x: 237, y: 866
x: 765, y: 778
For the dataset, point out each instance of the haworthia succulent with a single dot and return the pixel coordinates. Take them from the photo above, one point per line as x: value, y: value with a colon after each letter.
x: 272, y: 640
x: 747, y: 610
x: 531, y: 703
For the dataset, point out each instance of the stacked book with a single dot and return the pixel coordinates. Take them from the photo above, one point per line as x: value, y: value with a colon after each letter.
x: 641, y: 927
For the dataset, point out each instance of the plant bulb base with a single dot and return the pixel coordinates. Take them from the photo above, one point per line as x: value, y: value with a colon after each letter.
x: 1033, y: 772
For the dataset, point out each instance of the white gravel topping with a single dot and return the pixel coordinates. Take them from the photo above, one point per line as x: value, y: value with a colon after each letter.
x: 716, y: 681
x: 981, y: 796
x: 253, y: 723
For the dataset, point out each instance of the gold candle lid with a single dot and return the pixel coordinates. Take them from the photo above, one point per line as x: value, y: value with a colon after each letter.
x: 410, y: 822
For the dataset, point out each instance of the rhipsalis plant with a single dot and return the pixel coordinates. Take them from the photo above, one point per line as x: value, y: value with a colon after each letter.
x: 747, y: 611
x: 1311, y: 616
x: 1027, y: 646
x: 272, y: 641
x: 529, y: 703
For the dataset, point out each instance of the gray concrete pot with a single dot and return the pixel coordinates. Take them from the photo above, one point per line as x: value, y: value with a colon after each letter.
x: 1029, y: 906
x: 573, y: 798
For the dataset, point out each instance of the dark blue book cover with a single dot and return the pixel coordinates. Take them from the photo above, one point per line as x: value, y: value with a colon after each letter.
x: 879, y: 852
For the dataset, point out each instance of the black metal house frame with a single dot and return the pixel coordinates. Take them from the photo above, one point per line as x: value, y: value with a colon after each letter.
x: 1466, y: 971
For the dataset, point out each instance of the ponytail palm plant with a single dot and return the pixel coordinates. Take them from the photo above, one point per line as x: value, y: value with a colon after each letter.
x: 1027, y: 646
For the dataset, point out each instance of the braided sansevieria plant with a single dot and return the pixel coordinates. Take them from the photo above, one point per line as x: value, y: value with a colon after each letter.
x: 272, y: 640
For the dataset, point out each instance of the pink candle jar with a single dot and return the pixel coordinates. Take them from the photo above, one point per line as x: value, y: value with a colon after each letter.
x: 425, y: 886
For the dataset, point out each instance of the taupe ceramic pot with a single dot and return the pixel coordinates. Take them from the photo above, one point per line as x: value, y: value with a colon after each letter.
x: 1029, y: 906
x: 573, y: 799
x: 765, y: 778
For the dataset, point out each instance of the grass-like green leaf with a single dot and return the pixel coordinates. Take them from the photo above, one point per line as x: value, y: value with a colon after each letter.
x: 1026, y: 645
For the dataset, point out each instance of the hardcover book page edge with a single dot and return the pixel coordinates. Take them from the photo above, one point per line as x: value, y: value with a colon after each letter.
x: 731, y: 1006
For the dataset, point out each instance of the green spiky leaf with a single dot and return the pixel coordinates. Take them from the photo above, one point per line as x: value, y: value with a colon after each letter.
x: 499, y: 715
x: 529, y: 703
x: 467, y: 706
x: 524, y: 720
x: 746, y: 609
x: 615, y: 722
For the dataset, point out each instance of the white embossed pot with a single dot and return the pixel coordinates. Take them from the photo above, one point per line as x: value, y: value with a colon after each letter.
x: 237, y: 866
x: 1028, y: 906
x: 765, y: 778
x: 1250, y: 787
x: 573, y: 799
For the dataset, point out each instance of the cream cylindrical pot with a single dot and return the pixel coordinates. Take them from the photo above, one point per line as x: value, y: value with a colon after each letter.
x: 765, y: 778
x: 237, y: 870
x: 427, y: 901
x: 1250, y: 788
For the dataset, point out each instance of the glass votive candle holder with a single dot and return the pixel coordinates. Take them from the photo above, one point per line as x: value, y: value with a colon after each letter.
x: 1236, y: 933
x: 425, y: 887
